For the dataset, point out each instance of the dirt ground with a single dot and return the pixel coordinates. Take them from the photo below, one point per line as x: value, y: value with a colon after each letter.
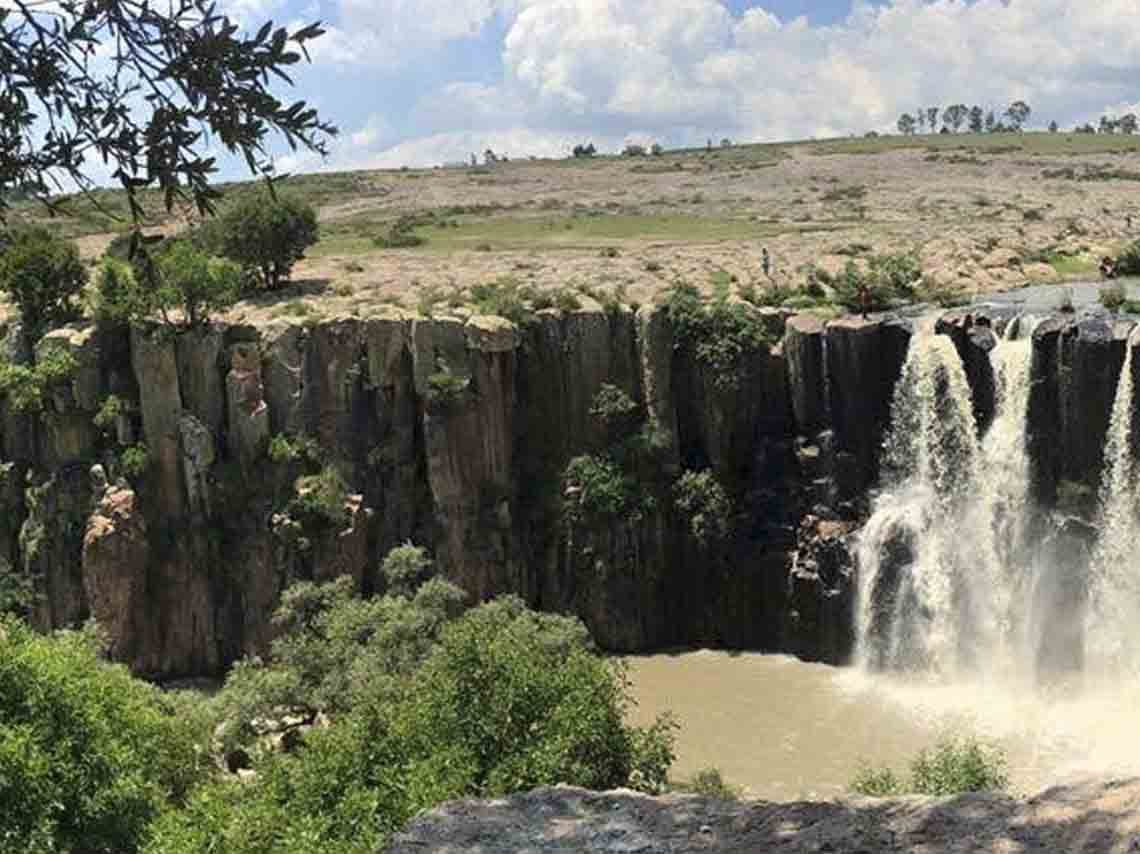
x: 982, y: 213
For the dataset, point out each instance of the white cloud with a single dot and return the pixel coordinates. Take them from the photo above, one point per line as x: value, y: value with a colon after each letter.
x: 682, y: 69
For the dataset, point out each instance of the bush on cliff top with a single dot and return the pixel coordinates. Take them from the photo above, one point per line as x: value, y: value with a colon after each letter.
x: 264, y: 234
x: 42, y: 275
x: 719, y: 333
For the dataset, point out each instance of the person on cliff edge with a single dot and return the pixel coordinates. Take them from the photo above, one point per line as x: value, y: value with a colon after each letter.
x: 865, y: 301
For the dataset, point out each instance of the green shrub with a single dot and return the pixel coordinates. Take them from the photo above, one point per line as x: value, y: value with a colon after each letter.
x: 43, y: 276
x: 719, y: 334
x: 596, y: 487
x: 110, y: 410
x: 405, y: 568
x: 88, y: 755
x: 178, y: 277
x: 429, y: 706
x: 888, y: 278
x: 25, y: 387
x: 446, y: 389
x: 505, y: 297
x: 401, y: 234
x: 1112, y: 297
x: 705, y: 506
x: 134, y: 461
x: 265, y: 235
x: 319, y: 502
x: 954, y: 766
x: 1128, y: 261
x: 612, y: 406
x: 710, y: 783
x: 192, y: 282
x: 284, y: 448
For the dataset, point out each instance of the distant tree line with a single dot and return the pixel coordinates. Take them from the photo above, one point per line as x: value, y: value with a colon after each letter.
x: 956, y: 116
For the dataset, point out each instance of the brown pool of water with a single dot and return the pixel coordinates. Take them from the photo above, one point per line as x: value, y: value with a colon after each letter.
x: 786, y: 730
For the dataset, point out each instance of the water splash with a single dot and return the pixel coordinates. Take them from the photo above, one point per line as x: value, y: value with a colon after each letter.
x: 943, y: 557
x: 1114, y: 590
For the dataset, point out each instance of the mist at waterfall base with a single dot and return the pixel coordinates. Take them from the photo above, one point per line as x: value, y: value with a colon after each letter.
x: 977, y: 613
x: 977, y: 606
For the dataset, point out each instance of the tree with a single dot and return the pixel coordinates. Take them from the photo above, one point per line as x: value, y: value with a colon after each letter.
x: 43, y: 276
x: 991, y: 122
x: 1053, y: 126
x: 88, y: 755
x: 1107, y: 125
x: 1018, y: 114
x: 932, y: 118
x: 266, y: 234
x: 955, y: 116
x: 1128, y: 123
x: 175, y: 277
x: 976, y: 119
x: 144, y: 88
x: 906, y: 124
x: 587, y: 150
x: 920, y: 116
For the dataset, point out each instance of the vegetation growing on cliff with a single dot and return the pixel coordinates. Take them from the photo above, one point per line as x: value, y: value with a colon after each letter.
x: 42, y: 275
x: 719, y: 333
x: 25, y: 387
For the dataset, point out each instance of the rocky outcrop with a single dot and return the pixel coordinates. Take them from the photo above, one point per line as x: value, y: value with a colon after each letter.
x: 454, y: 432
x: 1075, y: 371
x: 974, y: 338
x: 1096, y: 816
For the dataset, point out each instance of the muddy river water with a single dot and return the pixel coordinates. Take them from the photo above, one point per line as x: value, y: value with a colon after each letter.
x: 785, y: 729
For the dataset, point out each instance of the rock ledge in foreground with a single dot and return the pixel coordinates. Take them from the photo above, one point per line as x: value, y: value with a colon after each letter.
x: 1095, y: 816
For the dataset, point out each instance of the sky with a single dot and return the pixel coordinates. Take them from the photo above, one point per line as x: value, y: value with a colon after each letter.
x: 426, y: 82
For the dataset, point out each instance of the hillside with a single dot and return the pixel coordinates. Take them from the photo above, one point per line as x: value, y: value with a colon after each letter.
x: 983, y: 213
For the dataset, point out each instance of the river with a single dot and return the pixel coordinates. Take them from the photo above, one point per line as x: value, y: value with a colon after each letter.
x: 787, y: 730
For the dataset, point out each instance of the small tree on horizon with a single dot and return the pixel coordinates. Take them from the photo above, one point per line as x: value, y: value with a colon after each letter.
x: 906, y: 124
x: 955, y: 116
x: 932, y: 118
x: 977, y: 119
x: 1018, y: 114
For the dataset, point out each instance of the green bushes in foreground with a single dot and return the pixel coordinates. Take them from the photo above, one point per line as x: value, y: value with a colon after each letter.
x: 954, y: 766
x: 89, y: 756
x: 364, y: 713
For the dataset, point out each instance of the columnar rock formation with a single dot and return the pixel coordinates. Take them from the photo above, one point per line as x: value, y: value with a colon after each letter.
x: 454, y: 432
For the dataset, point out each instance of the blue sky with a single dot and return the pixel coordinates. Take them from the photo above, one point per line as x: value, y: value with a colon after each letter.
x: 421, y: 82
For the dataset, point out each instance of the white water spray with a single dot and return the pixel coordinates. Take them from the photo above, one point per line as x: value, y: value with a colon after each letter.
x: 941, y: 558
x: 1114, y: 589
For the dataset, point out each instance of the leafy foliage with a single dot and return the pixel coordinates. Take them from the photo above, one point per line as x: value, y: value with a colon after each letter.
x: 705, y: 505
x: 40, y: 273
x: 177, y: 282
x: 426, y: 705
x: 25, y: 387
x: 954, y: 766
x: 265, y: 234
x: 166, y: 76
x: 719, y: 333
x: 711, y: 783
x: 1112, y: 297
x: 888, y: 279
x: 1128, y: 261
x: 88, y: 755
x: 401, y: 234
x: 597, y: 487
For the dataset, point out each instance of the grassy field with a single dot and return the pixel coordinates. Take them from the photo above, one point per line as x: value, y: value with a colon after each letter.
x: 980, y: 212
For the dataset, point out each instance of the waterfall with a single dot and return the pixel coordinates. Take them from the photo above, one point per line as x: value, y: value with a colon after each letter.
x: 942, y: 556
x: 1114, y: 609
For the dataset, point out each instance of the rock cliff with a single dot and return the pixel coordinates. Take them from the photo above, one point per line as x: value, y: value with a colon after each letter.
x: 165, y: 484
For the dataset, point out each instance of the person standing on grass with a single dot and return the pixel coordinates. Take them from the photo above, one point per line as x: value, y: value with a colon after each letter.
x: 766, y: 262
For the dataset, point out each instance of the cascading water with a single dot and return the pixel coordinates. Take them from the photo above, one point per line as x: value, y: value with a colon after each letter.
x: 1114, y: 589
x: 940, y: 560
